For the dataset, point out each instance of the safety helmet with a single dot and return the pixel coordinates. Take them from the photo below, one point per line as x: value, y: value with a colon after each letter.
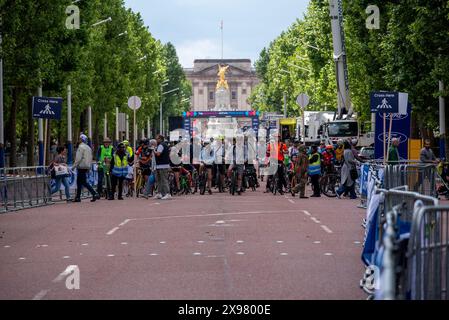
x: 330, y: 148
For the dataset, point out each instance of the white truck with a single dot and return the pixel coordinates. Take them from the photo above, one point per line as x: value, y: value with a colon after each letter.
x: 321, y: 125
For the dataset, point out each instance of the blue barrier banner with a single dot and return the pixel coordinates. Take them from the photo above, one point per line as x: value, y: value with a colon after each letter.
x: 401, y: 130
x: 364, y: 173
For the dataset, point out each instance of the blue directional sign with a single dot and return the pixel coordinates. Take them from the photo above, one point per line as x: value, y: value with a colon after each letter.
x: 47, y: 108
x: 384, y: 102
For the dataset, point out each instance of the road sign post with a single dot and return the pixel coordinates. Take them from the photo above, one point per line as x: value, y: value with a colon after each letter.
x: 303, y: 101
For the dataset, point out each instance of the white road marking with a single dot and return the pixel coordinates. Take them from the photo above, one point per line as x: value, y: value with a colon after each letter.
x: 284, y: 254
x: 65, y: 273
x: 307, y: 213
x: 111, y: 255
x: 163, y: 242
x: 240, y: 241
x: 325, y: 228
x: 85, y: 244
x: 7, y: 247
x: 291, y: 201
x: 279, y: 241
x: 22, y: 258
x: 124, y: 222
x: 197, y: 254
x: 66, y: 257
x: 111, y: 232
x: 328, y: 254
x: 153, y: 254
x: 201, y: 242
x: 124, y: 243
x: 317, y: 242
x: 40, y: 295
x: 315, y: 220
x: 357, y: 242
x: 240, y: 253
x: 220, y: 222
x: 41, y: 246
x: 215, y: 215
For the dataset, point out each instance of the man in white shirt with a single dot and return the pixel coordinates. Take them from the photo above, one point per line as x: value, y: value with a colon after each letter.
x: 83, y: 162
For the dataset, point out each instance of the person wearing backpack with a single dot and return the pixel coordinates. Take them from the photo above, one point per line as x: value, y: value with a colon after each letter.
x: 60, y: 173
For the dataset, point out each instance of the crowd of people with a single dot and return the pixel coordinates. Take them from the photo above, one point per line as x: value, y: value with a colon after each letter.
x: 298, y: 166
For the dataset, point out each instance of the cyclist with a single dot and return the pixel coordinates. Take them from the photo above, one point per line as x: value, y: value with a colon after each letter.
x: 105, y: 151
x: 240, y: 168
x: 250, y: 167
x: 339, y: 152
x: 220, y: 166
x: 176, y: 167
x: 207, y: 159
x: 281, y: 152
x: 328, y: 157
x: 129, y: 152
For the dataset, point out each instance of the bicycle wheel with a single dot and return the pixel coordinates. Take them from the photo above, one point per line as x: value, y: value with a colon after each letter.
x: 329, y: 185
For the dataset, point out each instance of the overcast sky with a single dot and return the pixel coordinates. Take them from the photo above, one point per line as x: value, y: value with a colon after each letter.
x: 193, y: 26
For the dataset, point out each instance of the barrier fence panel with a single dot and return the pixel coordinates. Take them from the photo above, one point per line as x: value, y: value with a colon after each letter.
x: 396, y: 226
x: 419, y: 178
x: 428, y: 272
x: 22, y: 188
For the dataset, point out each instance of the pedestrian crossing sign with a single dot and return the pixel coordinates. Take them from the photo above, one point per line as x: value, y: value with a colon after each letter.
x: 47, y: 108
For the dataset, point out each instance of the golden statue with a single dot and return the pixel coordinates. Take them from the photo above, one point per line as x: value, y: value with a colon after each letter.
x: 222, y: 83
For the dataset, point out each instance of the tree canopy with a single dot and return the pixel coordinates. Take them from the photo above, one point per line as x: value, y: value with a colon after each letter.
x: 409, y: 53
x: 104, y: 64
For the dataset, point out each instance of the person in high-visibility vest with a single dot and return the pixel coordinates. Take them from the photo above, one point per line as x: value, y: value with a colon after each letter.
x: 105, y: 151
x: 129, y: 152
x: 315, y: 171
x: 119, y: 170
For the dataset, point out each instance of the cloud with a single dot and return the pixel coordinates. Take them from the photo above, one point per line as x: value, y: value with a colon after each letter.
x: 188, y: 51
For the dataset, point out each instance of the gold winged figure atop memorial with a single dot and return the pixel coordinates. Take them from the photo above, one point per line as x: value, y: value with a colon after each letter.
x: 222, y: 83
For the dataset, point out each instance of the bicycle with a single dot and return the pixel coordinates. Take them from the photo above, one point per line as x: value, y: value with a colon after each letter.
x: 140, y: 182
x: 184, y: 185
x: 250, y: 180
x: 330, y: 182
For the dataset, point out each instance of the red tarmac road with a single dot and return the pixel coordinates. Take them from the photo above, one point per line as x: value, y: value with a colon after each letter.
x: 257, y: 246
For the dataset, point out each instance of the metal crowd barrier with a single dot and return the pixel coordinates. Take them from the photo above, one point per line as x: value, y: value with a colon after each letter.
x: 397, y: 225
x: 428, y: 255
x: 22, y: 188
x: 419, y: 178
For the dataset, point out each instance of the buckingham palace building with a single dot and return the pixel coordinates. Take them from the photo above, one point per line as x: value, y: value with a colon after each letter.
x: 241, y: 78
